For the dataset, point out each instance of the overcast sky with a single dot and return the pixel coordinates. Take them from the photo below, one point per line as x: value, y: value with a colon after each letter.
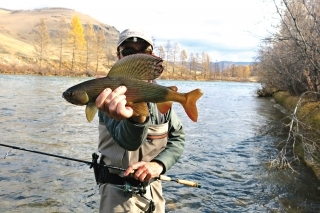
x: 228, y: 30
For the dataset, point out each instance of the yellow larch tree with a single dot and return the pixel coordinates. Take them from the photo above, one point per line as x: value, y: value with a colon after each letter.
x: 77, y: 40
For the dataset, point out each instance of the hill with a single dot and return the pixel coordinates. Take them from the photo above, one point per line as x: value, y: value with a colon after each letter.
x: 17, y: 31
x: 229, y: 63
x: 17, y: 52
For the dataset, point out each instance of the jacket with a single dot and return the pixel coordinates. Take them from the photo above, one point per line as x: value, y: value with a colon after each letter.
x: 131, y: 139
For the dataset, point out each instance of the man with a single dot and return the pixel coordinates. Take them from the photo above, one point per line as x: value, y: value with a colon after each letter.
x: 146, y: 146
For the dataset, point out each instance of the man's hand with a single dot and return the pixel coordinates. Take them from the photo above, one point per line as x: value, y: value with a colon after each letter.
x: 113, y: 103
x: 145, y: 171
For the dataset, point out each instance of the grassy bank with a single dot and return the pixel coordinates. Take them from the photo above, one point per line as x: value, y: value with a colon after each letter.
x: 308, y: 114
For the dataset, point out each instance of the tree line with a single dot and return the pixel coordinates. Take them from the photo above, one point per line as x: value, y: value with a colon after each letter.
x: 199, y: 66
x: 80, y: 49
x: 77, y: 47
x: 289, y: 59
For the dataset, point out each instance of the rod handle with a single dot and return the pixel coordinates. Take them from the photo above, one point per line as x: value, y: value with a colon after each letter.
x: 184, y: 182
x: 189, y: 183
x: 165, y: 178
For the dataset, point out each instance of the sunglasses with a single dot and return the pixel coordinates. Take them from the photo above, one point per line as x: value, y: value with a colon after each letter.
x: 131, y: 51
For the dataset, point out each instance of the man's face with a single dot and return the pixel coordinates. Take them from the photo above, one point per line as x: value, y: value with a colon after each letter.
x: 130, y: 47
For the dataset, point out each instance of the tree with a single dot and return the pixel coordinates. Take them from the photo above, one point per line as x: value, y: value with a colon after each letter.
x: 90, y: 43
x: 290, y: 58
x: 62, y: 36
x: 192, y: 64
x: 77, y: 39
x: 206, y: 65
x: 175, y: 51
x: 168, y: 48
x: 110, y: 55
x: 246, y: 71
x: 42, y: 41
x: 197, y: 60
x: 154, y: 43
x: 100, y: 43
x: 161, y: 52
x: 216, y: 71
x: 183, y: 56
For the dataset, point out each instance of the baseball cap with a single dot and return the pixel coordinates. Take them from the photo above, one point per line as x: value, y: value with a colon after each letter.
x: 134, y: 34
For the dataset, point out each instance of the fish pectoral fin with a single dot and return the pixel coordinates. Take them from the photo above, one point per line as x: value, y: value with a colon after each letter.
x: 164, y: 107
x: 91, y: 110
x: 139, y: 109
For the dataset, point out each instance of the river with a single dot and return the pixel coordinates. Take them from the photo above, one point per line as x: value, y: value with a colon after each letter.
x: 227, y: 151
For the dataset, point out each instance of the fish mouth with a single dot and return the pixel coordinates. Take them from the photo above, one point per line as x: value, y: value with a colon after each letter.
x: 67, y: 96
x: 158, y: 66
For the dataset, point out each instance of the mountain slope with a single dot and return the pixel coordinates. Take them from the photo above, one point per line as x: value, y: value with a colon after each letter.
x: 16, y: 27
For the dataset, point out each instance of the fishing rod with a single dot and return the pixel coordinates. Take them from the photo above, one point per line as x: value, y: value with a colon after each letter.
x: 53, y: 155
x: 93, y: 163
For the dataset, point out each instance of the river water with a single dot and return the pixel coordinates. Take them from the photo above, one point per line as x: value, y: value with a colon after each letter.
x: 227, y: 151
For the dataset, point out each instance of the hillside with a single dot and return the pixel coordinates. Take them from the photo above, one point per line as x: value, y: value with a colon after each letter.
x: 17, y: 31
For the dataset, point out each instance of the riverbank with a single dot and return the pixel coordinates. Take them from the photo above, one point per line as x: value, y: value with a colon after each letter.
x: 308, y: 112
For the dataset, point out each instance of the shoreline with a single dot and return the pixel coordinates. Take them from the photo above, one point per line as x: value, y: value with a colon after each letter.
x: 309, y: 114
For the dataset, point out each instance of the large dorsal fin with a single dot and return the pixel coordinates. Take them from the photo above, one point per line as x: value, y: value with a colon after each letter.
x: 138, y: 66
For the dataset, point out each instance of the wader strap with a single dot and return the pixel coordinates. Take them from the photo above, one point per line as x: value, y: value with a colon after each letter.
x: 152, y: 137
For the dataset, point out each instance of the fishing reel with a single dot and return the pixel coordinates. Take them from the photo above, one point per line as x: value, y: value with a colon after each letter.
x: 140, y: 189
x: 138, y: 193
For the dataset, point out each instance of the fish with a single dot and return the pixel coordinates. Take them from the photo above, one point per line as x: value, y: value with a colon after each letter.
x: 136, y: 73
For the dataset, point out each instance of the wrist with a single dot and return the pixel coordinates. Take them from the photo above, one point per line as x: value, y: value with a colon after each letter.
x: 138, y: 119
x: 160, y: 166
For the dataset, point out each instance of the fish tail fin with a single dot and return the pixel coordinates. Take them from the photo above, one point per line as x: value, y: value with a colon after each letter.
x: 91, y: 110
x: 190, y: 105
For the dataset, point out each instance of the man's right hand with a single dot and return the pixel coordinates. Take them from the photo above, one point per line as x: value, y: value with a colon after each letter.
x: 113, y: 103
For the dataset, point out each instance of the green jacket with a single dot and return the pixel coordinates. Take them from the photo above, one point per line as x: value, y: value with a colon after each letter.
x: 130, y: 136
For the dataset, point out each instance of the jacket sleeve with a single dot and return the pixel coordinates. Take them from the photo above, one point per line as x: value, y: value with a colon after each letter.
x: 176, y: 140
x: 128, y: 135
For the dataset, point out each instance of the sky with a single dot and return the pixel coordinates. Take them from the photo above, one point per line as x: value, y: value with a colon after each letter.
x: 227, y: 30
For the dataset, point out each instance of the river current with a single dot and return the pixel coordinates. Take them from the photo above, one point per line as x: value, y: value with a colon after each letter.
x: 227, y: 151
